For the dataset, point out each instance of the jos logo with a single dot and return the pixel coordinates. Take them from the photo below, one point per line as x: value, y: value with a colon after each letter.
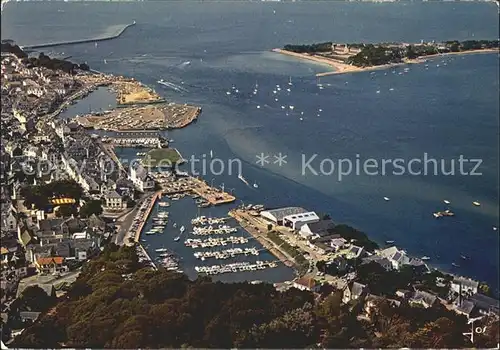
x: 474, y: 329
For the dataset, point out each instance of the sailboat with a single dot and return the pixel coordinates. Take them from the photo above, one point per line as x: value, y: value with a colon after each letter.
x: 290, y: 81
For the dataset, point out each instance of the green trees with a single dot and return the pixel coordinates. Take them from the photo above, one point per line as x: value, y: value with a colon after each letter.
x: 319, y: 47
x: 91, y: 207
x: 40, y: 195
x: 117, y: 304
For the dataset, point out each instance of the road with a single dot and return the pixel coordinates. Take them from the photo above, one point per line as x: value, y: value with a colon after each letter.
x: 126, y: 220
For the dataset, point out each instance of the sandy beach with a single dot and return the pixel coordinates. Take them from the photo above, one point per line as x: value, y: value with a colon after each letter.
x: 342, y: 68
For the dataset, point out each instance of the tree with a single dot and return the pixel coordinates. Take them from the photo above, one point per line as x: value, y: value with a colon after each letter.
x: 66, y: 210
x: 91, y: 207
x: 34, y: 298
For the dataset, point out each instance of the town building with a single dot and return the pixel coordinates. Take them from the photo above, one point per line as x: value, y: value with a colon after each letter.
x: 296, y: 221
x: 276, y: 216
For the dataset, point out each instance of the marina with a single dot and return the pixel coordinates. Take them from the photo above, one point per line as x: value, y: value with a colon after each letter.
x: 226, y: 254
x: 235, y: 267
x: 214, y: 242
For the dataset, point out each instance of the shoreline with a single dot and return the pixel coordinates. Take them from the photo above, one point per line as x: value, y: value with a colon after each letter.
x: 343, y: 68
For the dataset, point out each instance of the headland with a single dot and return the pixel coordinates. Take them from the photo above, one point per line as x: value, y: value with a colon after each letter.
x: 356, y: 57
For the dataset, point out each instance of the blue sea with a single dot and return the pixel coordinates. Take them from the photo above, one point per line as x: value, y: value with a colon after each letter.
x: 446, y: 110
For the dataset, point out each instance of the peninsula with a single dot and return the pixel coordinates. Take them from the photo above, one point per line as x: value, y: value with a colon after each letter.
x: 357, y: 57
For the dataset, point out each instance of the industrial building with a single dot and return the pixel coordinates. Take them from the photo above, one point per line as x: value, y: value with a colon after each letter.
x: 276, y: 215
x: 296, y: 221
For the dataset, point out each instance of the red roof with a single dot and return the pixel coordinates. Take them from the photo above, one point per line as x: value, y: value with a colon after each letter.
x: 306, y: 282
x: 54, y: 259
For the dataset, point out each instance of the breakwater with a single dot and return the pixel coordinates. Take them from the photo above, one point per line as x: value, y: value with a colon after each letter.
x: 119, y: 31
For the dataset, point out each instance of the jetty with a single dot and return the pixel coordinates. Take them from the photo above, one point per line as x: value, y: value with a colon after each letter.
x: 117, y: 33
x: 144, y: 256
x: 143, y: 216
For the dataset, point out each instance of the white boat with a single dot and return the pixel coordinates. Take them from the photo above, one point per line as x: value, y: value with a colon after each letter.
x: 228, y: 92
x: 175, y: 224
x: 176, y: 239
x: 243, y: 179
x: 105, y: 62
x: 258, y: 107
x: 161, y: 250
x: 387, y: 199
x: 477, y: 204
x: 255, y: 185
x: 425, y: 258
x: 211, y: 154
x: 446, y: 201
x: 291, y: 107
x: 182, y: 229
x: 495, y: 228
x: 290, y: 81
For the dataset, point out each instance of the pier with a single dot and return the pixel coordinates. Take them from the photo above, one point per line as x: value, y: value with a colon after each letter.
x: 257, y: 231
x: 145, y: 256
x: 235, y: 267
x: 135, y: 139
x: 144, y: 216
x: 118, y: 33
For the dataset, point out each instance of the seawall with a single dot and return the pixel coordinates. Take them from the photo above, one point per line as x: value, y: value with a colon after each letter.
x: 117, y: 34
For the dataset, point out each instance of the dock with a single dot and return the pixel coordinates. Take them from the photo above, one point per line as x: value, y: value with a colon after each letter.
x: 145, y: 254
x: 118, y: 33
x: 248, y: 223
x: 145, y: 216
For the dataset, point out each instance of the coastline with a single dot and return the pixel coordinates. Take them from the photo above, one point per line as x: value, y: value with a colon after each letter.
x: 342, y: 68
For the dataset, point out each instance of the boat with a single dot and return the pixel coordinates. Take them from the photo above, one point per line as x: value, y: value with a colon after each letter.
x: 255, y: 185
x: 425, y: 258
x: 455, y: 265
x: 495, y: 228
x: 243, y: 179
x: 164, y: 204
x: 161, y: 250
x: 446, y: 201
x: 463, y: 257
x: 389, y: 242
x: 290, y: 81
x: 175, y: 224
x: 477, y: 204
x: 182, y: 229
x: 386, y: 198
x: 176, y: 239
x: 211, y: 154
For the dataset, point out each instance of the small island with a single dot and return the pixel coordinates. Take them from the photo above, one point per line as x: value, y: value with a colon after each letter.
x: 353, y: 57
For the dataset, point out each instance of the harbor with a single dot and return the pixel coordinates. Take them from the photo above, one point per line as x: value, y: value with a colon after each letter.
x: 176, y: 247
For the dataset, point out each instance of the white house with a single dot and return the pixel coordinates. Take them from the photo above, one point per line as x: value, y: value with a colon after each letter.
x: 140, y: 177
x: 464, y: 285
x: 397, y: 257
x: 114, y: 201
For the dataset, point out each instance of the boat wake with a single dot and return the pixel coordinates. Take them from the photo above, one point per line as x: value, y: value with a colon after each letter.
x: 172, y: 86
